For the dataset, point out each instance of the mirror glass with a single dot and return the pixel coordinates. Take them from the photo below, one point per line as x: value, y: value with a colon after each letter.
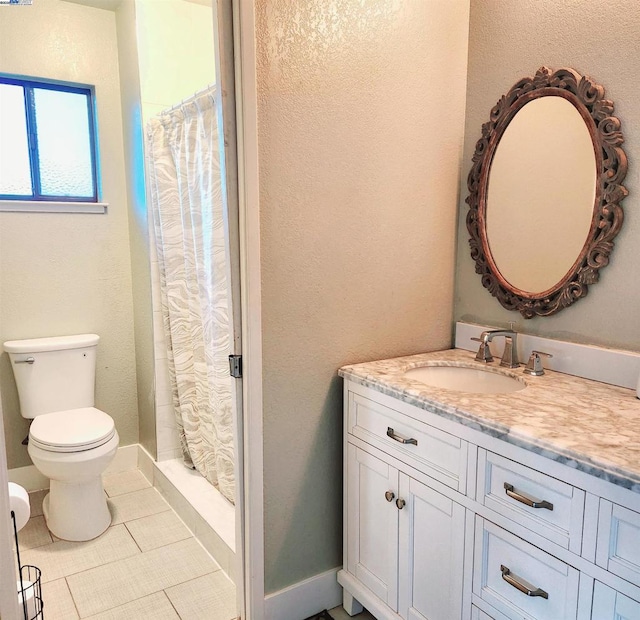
x: 540, y: 195
x: 545, y: 188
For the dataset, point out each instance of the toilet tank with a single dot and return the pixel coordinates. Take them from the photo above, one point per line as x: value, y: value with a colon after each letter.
x: 61, y: 375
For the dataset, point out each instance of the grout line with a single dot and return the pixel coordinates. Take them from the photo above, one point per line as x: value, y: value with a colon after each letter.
x: 73, y: 600
x: 150, y: 486
x: 173, y: 542
x: 132, y: 536
x: 211, y: 572
x: 172, y: 605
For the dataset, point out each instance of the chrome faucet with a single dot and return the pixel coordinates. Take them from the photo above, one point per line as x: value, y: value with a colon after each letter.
x: 510, y: 354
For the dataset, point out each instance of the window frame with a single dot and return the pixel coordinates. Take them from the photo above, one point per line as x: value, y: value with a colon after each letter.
x: 29, y: 84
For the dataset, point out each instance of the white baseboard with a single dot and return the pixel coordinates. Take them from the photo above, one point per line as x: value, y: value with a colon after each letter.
x: 146, y: 463
x: 126, y: 459
x: 31, y: 479
x: 305, y: 598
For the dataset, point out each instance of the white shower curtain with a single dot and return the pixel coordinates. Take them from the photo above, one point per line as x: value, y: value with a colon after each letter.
x: 183, y: 164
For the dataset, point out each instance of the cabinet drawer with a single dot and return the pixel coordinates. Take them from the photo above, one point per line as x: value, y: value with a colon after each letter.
x: 434, y: 452
x: 502, y: 561
x: 508, y: 488
x: 618, y: 544
x: 479, y: 614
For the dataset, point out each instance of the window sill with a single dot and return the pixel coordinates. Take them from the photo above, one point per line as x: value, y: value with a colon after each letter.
x: 42, y: 206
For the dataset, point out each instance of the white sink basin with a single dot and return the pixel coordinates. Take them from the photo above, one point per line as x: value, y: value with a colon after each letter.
x: 462, y: 379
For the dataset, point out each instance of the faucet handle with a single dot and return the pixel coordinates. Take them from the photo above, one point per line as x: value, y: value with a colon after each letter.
x: 484, y: 352
x: 534, y: 365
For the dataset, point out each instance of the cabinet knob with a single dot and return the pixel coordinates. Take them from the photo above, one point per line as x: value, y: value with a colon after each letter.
x: 400, y: 503
x: 389, y: 495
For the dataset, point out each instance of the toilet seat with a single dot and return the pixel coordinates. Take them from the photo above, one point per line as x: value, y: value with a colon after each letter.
x: 74, y: 430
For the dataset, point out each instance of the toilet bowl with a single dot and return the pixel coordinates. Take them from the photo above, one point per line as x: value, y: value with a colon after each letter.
x: 73, y: 448
x: 70, y: 441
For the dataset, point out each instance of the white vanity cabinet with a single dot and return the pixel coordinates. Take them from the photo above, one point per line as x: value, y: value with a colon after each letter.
x: 396, y: 525
x: 445, y: 522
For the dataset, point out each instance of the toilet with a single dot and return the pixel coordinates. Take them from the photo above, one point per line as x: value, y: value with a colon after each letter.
x: 70, y: 441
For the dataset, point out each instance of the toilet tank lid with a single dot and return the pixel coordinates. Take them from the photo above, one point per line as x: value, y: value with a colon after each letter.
x: 56, y: 343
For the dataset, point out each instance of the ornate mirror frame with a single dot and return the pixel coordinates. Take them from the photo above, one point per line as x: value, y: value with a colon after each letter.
x: 611, y: 168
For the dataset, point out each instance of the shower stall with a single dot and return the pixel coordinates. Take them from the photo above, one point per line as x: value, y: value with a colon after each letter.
x: 192, y: 396
x: 190, y: 292
x: 190, y: 289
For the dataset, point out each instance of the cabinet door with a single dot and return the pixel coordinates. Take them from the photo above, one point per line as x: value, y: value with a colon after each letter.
x: 618, y: 547
x: 372, y: 524
x: 431, y: 550
x: 611, y: 605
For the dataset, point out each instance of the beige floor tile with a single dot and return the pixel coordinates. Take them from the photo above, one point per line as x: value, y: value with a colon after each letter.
x: 211, y: 597
x: 62, y: 558
x: 58, y: 604
x: 136, y: 505
x: 35, y: 501
x: 338, y: 613
x: 153, y: 607
x: 158, y: 530
x: 118, y: 583
x: 124, y: 482
x: 34, y: 534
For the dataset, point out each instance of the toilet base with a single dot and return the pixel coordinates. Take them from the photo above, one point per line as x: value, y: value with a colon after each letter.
x: 76, y: 512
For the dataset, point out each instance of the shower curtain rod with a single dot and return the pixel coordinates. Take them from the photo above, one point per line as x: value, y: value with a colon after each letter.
x: 190, y: 98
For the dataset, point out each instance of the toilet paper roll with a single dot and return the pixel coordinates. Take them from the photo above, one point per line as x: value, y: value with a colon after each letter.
x: 19, y: 503
x: 29, y: 598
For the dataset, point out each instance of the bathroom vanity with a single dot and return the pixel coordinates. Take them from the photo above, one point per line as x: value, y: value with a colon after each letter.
x: 519, y: 505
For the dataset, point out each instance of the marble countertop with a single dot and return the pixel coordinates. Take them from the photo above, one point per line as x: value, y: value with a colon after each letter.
x: 587, y: 425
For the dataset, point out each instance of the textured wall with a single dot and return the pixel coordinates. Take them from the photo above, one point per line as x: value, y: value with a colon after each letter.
x: 138, y: 221
x: 507, y: 41
x: 66, y: 273
x: 361, y: 111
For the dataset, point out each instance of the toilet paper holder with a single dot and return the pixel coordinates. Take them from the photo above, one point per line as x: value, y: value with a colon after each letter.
x: 29, y: 585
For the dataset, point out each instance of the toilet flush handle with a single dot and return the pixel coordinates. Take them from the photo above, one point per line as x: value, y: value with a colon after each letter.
x: 29, y: 360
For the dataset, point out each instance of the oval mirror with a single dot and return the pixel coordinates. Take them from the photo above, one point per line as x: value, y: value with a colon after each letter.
x: 545, y: 189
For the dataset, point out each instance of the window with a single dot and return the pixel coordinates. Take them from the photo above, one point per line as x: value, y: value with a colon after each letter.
x: 47, y: 142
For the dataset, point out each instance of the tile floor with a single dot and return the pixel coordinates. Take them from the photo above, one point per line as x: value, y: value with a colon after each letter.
x: 147, y: 565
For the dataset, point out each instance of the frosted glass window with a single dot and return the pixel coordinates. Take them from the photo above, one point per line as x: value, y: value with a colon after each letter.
x: 47, y: 144
x: 64, y: 143
x: 15, y: 170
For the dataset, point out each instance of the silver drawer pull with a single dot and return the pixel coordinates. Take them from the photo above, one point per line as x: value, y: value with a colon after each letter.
x: 391, y: 433
x: 523, y: 499
x: 521, y: 584
x: 29, y: 360
x: 389, y: 496
x: 400, y: 503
